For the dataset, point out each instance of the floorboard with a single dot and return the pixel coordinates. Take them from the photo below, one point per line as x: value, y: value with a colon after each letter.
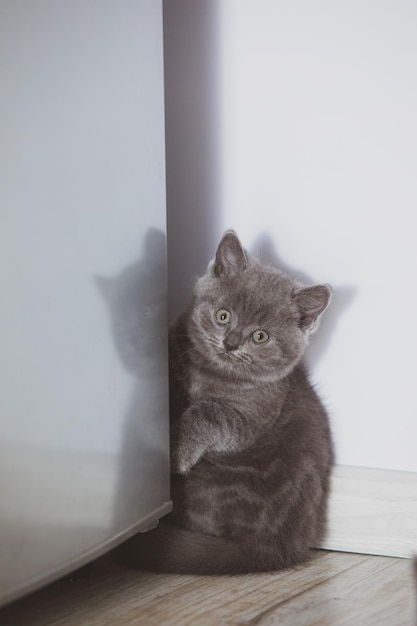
x: 333, y: 589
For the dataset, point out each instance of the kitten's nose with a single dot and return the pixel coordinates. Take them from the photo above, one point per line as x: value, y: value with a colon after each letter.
x: 231, y: 342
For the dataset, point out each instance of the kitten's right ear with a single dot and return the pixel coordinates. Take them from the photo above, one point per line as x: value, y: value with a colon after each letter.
x: 231, y: 257
x: 311, y: 303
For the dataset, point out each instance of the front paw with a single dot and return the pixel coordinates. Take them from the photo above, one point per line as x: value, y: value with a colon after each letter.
x: 188, y: 442
x: 184, y: 458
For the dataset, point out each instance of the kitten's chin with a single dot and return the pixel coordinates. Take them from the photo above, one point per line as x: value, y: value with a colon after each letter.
x: 247, y: 369
x: 235, y: 359
x: 224, y: 362
x: 231, y: 363
x: 236, y: 364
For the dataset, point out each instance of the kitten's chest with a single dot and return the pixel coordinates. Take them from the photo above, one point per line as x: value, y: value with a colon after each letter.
x: 242, y: 396
x: 204, y: 385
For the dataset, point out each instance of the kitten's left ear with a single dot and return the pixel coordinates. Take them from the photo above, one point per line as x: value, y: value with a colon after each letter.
x: 311, y: 303
x: 231, y: 257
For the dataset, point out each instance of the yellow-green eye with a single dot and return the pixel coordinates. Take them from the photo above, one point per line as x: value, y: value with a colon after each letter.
x: 259, y: 336
x: 223, y: 316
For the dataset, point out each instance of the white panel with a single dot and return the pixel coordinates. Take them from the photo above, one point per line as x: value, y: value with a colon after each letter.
x: 83, y: 402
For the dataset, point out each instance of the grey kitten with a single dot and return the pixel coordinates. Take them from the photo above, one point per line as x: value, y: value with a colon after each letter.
x: 251, y: 447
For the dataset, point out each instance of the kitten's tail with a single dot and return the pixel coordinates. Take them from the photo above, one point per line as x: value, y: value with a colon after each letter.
x: 170, y: 549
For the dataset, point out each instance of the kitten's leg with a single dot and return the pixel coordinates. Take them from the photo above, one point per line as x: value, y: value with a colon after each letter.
x: 208, y: 426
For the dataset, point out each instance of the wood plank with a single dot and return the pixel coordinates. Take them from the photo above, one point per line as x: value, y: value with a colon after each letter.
x: 333, y: 589
x: 373, y: 592
x: 115, y: 595
x: 210, y: 600
x: 373, y: 511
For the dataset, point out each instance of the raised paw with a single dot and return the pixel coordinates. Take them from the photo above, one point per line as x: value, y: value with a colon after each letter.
x: 184, y: 458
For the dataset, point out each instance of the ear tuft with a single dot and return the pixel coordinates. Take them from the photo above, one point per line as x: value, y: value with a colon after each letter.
x: 311, y: 303
x: 231, y: 258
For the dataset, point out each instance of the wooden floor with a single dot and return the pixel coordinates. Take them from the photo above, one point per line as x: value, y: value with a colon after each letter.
x: 333, y: 589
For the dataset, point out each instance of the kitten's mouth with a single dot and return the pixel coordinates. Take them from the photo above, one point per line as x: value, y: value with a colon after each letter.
x: 224, y: 357
x: 234, y: 358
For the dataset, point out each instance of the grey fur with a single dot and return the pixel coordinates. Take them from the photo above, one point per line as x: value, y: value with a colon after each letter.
x: 251, y: 448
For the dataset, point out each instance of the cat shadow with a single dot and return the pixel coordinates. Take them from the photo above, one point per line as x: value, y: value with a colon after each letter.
x: 136, y: 303
x: 342, y: 298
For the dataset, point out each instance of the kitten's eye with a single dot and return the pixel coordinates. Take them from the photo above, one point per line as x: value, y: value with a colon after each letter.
x: 259, y: 336
x: 223, y: 316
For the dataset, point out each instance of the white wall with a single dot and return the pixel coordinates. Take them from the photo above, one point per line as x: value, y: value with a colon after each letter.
x: 317, y: 166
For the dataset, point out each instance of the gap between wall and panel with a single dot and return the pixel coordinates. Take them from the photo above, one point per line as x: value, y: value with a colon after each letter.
x: 372, y: 511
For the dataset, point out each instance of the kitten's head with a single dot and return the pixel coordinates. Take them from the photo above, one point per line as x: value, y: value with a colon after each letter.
x: 250, y: 321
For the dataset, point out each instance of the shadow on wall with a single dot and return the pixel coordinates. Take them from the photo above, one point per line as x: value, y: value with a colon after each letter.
x: 136, y: 303
x: 193, y: 132
x: 342, y: 298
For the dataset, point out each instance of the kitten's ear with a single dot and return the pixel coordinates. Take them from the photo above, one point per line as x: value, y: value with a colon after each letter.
x: 231, y: 257
x: 311, y: 303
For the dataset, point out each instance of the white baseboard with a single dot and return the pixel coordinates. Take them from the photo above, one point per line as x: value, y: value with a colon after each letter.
x: 373, y: 511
